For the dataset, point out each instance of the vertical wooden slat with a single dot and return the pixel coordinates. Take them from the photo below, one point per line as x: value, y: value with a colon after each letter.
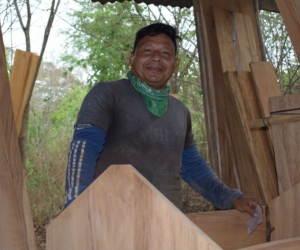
x: 16, y: 227
x: 212, y: 77
x: 286, y: 139
x: 21, y: 80
x: 236, y: 40
x: 244, y: 101
x: 290, y: 12
x: 266, y: 86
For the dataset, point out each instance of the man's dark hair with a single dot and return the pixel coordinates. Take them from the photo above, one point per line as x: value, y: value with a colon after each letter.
x: 156, y: 29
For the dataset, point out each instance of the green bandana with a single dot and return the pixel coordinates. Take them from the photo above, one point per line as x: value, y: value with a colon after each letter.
x: 156, y: 100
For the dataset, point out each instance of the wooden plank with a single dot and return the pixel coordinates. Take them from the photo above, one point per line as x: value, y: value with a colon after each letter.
x: 289, y: 244
x: 269, y: 5
x: 212, y: 79
x: 236, y: 40
x: 274, y: 120
x: 16, y: 225
x: 286, y: 141
x: 229, y: 228
x: 21, y: 81
x: 242, y: 94
x: 290, y: 12
x: 266, y: 84
x: 122, y: 210
x: 284, y: 215
x: 248, y: 178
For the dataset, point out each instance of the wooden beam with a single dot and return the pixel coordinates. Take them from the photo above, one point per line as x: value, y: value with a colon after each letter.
x: 229, y: 228
x: 122, y: 210
x: 284, y: 214
x: 274, y: 120
x: 290, y: 12
x: 16, y: 225
x: 269, y: 5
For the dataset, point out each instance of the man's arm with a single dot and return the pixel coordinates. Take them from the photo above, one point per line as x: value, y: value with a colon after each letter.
x: 85, y: 149
x: 198, y: 174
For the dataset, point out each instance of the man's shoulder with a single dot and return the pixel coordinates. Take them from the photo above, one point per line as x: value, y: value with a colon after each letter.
x: 113, y: 84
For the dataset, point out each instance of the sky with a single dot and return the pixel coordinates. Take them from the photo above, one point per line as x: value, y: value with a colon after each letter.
x: 14, y: 38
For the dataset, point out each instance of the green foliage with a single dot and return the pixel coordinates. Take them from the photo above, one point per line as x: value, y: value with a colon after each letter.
x: 280, y: 51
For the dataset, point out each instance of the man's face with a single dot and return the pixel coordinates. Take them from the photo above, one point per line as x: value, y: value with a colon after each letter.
x: 154, y: 60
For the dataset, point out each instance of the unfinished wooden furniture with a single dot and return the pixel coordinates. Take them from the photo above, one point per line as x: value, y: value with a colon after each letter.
x: 121, y: 210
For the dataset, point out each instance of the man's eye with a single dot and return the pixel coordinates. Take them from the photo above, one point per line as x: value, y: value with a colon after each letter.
x: 147, y: 50
x: 166, y: 53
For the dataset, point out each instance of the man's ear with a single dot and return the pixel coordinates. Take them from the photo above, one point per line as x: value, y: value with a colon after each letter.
x: 131, y: 55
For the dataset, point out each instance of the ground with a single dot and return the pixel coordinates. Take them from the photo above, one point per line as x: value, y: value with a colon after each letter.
x: 192, y: 201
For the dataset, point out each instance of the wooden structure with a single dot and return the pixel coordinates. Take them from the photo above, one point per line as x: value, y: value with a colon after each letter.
x: 231, y: 57
x: 122, y: 210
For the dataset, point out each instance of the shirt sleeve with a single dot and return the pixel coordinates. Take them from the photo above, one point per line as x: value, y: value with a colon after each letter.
x: 85, y: 149
x: 198, y: 174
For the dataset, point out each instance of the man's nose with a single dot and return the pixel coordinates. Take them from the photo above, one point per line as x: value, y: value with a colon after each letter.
x: 156, y: 56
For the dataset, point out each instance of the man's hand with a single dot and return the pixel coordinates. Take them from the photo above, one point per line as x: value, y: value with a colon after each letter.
x: 246, y: 204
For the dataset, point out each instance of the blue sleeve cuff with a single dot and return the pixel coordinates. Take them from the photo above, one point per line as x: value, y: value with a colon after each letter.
x: 85, y: 149
x: 198, y: 174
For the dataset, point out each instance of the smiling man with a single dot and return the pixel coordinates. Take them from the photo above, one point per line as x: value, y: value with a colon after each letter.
x: 135, y: 121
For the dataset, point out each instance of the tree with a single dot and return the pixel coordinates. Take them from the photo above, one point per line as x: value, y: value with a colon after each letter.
x: 24, y: 11
x: 280, y: 51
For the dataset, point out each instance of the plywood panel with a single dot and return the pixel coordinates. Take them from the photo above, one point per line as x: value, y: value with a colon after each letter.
x: 229, y: 228
x: 236, y: 40
x: 122, y: 210
x: 286, y: 141
x: 284, y: 215
x: 21, y: 81
x: 242, y: 94
x: 290, y: 12
x: 289, y: 244
x: 16, y: 227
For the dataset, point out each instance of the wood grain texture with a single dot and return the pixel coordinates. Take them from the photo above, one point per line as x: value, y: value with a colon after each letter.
x: 236, y: 40
x: 289, y: 244
x: 266, y: 84
x: 286, y: 139
x: 290, y: 12
x: 122, y: 210
x: 21, y: 81
x: 257, y: 151
x: 229, y: 228
x: 213, y: 83
x: 16, y: 227
x: 284, y: 215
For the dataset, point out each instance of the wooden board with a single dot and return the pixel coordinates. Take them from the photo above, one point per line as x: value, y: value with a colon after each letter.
x: 290, y: 12
x: 284, y: 215
x: 236, y: 40
x: 266, y: 84
x: 286, y: 139
x: 289, y: 244
x: 229, y: 228
x: 221, y: 155
x: 241, y: 91
x: 122, y: 210
x: 21, y: 81
x: 16, y: 227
